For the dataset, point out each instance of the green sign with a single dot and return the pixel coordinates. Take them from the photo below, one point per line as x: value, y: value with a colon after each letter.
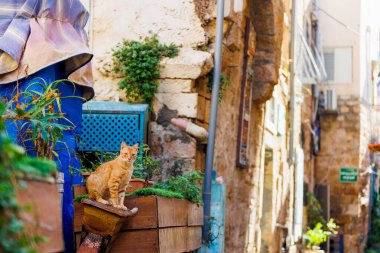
x: 348, y: 175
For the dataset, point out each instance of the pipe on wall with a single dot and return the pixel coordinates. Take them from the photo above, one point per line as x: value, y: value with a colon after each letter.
x: 213, y: 115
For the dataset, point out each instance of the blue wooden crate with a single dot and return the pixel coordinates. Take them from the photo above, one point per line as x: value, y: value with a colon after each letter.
x: 106, y: 124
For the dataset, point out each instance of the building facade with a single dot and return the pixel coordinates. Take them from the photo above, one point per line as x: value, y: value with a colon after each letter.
x: 267, y: 125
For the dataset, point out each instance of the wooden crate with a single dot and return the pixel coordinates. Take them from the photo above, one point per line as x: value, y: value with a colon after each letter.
x: 162, y: 225
x: 158, y: 240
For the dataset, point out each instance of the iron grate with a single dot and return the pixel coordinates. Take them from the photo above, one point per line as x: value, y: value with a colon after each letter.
x: 105, y: 132
x: 106, y: 124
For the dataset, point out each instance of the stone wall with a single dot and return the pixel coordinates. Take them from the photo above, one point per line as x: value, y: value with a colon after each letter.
x: 183, y: 92
x: 342, y: 145
x: 245, y: 187
x: 174, y: 22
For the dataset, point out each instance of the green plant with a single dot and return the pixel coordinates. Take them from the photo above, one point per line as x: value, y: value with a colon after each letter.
x: 156, y: 192
x: 214, y: 231
x: 374, y: 234
x: 314, y: 211
x: 14, y: 165
x: 145, y: 167
x: 39, y: 118
x: 90, y: 161
x: 188, y: 185
x: 318, y: 235
x: 80, y: 197
x: 224, y: 83
x: 143, y: 192
x: 176, y: 169
x: 137, y: 62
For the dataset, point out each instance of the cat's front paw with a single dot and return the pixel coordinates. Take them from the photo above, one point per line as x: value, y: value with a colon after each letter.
x: 105, y: 202
x: 123, y: 208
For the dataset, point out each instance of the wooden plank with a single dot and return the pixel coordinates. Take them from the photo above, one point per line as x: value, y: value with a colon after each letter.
x: 146, y: 216
x: 136, y: 241
x: 173, y: 240
x: 195, y: 215
x: 78, y: 208
x: 172, y: 212
x: 194, y: 238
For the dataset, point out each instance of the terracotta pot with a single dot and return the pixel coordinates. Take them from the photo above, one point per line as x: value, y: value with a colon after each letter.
x: 86, y: 175
x: 45, y: 217
x: 137, y: 183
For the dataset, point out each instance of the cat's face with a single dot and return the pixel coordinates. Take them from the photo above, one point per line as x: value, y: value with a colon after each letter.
x: 129, y: 153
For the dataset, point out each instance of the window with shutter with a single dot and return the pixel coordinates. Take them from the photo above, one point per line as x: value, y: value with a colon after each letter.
x: 338, y: 64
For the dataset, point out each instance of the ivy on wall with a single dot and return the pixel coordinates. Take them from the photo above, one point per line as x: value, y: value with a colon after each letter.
x: 138, y: 63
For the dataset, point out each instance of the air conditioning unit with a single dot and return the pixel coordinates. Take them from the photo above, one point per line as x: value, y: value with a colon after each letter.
x: 331, y: 101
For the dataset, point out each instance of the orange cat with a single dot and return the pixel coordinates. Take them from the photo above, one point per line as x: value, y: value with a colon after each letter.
x: 108, y: 183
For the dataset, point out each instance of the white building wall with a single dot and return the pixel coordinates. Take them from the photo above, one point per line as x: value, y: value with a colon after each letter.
x: 335, y: 34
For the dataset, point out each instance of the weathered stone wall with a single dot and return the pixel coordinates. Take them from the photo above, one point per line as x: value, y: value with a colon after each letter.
x: 366, y: 135
x: 183, y: 92
x: 245, y: 187
x: 174, y: 22
x: 342, y: 145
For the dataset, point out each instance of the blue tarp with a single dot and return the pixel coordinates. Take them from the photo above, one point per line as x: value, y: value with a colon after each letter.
x: 67, y: 162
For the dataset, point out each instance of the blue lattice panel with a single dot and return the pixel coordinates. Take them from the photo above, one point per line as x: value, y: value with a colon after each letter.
x: 106, y: 124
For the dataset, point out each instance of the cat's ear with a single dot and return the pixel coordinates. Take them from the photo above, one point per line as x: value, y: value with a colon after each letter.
x: 123, y: 144
x: 136, y: 146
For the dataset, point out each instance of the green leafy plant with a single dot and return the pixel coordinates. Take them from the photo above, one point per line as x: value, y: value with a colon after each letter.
x: 224, y: 83
x: 90, y: 161
x: 15, y: 165
x: 80, y: 197
x: 145, y: 166
x: 39, y: 118
x: 143, y: 192
x: 177, y: 168
x: 138, y: 63
x: 188, y: 185
x: 314, y: 211
x: 374, y: 234
x: 313, y: 238
x: 156, y: 192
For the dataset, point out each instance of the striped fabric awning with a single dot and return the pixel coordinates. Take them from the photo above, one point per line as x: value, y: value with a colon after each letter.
x: 37, y: 33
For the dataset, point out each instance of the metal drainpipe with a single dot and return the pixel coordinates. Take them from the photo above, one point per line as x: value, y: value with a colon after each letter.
x: 213, y: 114
x: 292, y: 83
x: 298, y: 170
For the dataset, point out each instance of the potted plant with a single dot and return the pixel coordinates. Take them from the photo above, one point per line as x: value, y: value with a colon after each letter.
x: 38, y: 119
x: 39, y: 124
x: 313, y: 238
x: 29, y: 221
x: 145, y: 169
